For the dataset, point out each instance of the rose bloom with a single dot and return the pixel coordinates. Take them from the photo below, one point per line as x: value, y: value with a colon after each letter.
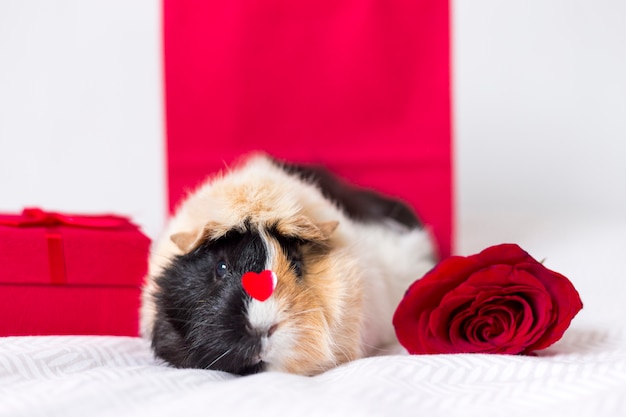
x: 499, y: 301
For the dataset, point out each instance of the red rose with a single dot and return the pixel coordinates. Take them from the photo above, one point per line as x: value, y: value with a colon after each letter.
x: 499, y: 301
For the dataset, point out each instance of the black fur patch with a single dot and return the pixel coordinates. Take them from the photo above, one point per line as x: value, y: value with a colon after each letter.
x: 201, y: 319
x: 358, y: 203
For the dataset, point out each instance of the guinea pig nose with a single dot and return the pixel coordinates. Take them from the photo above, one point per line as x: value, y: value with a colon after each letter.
x: 259, y: 286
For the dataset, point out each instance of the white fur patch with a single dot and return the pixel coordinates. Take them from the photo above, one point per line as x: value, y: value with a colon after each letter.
x: 262, y: 315
x: 399, y: 258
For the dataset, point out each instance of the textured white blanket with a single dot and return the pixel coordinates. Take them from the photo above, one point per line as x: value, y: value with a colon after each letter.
x: 583, y: 374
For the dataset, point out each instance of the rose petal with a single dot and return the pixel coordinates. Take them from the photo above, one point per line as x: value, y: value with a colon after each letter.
x: 515, y: 281
x: 489, y: 330
x: 566, y: 303
x: 498, y: 287
x: 441, y: 335
x: 460, y: 328
x: 422, y: 297
x: 504, y: 254
x: 504, y: 317
x: 538, y: 314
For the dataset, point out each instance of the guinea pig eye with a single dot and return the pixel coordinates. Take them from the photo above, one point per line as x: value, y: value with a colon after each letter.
x: 221, y: 268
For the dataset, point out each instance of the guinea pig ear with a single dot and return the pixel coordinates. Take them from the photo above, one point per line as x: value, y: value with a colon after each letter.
x: 328, y: 228
x: 188, y: 241
x: 304, y: 228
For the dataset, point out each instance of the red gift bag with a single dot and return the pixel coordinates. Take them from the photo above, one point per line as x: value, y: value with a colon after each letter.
x: 362, y: 87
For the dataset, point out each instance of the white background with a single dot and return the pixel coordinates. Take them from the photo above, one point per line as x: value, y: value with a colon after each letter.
x: 540, y: 112
x: 539, y: 109
x: 540, y: 121
x: 81, y: 107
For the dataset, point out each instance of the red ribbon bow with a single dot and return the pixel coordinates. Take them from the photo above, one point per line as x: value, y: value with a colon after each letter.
x: 35, y: 217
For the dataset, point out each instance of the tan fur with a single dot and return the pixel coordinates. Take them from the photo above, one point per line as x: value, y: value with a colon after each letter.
x: 185, y: 241
x: 305, y: 229
x: 325, y: 313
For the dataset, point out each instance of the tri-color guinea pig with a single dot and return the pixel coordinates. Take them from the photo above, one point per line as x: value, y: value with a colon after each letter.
x: 342, y: 258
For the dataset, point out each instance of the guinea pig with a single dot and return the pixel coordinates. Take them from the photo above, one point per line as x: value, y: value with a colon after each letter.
x: 342, y: 258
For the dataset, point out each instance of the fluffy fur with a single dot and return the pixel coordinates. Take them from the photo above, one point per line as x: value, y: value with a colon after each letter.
x: 341, y: 273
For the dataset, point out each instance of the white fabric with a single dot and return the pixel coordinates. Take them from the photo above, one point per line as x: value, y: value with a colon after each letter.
x: 584, y: 374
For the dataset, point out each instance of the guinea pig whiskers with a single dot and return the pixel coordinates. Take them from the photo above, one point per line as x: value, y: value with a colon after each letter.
x: 155, y: 255
x: 299, y: 313
x: 207, y: 325
x: 379, y: 349
x: 344, y: 352
x: 194, y: 323
x: 219, y: 357
x: 252, y: 352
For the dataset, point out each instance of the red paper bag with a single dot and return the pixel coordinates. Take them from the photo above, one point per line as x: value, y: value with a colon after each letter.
x: 362, y: 87
x: 69, y: 274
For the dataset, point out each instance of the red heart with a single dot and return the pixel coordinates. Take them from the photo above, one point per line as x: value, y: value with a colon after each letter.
x: 259, y: 286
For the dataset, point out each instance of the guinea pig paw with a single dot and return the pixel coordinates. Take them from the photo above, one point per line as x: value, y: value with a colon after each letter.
x: 259, y: 286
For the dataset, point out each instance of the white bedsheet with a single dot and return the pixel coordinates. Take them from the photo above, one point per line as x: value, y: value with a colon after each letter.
x: 583, y: 374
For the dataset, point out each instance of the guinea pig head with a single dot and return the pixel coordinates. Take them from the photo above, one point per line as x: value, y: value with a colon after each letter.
x: 310, y: 321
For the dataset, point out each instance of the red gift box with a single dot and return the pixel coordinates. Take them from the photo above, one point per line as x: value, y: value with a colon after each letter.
x: 70, y: 274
